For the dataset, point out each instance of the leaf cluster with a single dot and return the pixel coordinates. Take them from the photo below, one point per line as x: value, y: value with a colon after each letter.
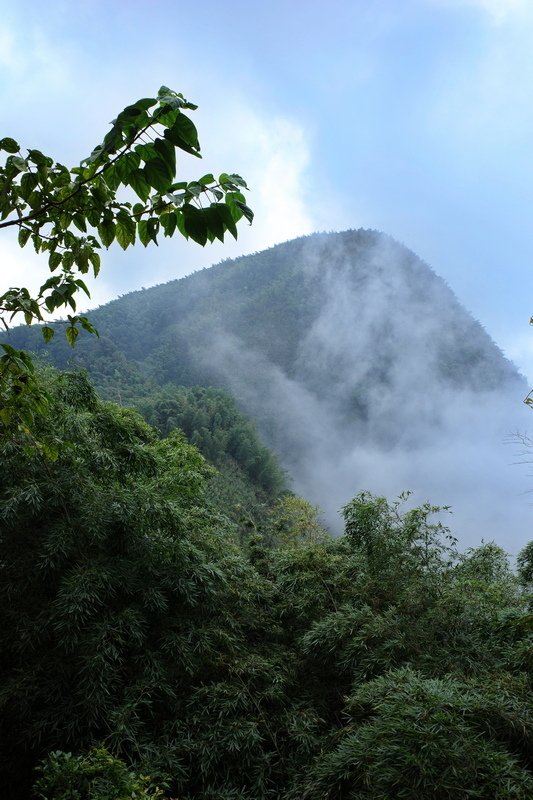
x: 71, y: 213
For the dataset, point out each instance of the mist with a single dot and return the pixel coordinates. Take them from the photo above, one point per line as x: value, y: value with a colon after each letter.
x: 394, y: 388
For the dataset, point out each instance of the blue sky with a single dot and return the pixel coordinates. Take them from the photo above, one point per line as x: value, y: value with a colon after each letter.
x: 414, y: 117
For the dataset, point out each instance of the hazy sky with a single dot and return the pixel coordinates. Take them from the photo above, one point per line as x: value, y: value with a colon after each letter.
x: 414, y: 117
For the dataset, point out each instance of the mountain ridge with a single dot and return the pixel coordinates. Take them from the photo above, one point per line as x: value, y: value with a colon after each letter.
x: 354, y: 358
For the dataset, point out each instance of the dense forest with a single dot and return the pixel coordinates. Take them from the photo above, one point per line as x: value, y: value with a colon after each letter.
x: 154, y: 644
x: 175, y: 622
x: 178, y: 620
x: 355, y: 361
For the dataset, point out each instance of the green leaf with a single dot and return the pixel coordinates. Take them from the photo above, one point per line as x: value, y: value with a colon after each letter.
x: 24, y: 235
x: 233, y: 201
x: 153, y: 228
x: 195, y: 223
x: 72, y: 334
x: 215, y: 222
x: 9, y: 145
x: 88, y: 326
x: 79, y: 222
x: 180, y: 223
x: 28, y: 182
x: 146, y: 151
x: 205, y: 180
x: 142, y: 230
x: 157, y: 175
x: 48, y: 333
x: 83, y: 286
x: 167, y: 153
x: 68, y: 259
x: 168, y: 223
x: 81, y: 259
x: 106, y: 231
x: 94, y: 258
x: 127, y: 164
x: 139, y: 184
x: 38, y: 158
x: 125, y: 229
x: 20, y: 163
x: 54, y: 260
x: 226, y: 217
x: 184, y: 135
x: 247, y: 212
x: 236, y: 180
x: 123, y: 236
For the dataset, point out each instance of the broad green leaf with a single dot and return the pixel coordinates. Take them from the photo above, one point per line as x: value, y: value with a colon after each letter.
x: 153, y: 228
x: 54, y: 260
x: 48, y: 333
x: 68, y: 259
x: 184, y: 135
x: 139, y: 184
x: 146, y: 151
x: 127, y: 221
x: 195, y: 223
x: 112, y: 178
x: 205, y: 180
x: 28, y: 182
x: 237, y: 180
x: 180, y: 223
x: 81, y: 259
x: 72, y: 334
x: 94, y: 258
x: 168, y: 223
x: 38, y: 158
x: 88, y: 326
x: 9, y: 145
x: 125, y: 229
x: 215, y: 223
x: 226, y: 217
x: 106, y: 230
x: 145, y: 103
x: 123, y: 236
x: 24, y: 235
x: 195, y: 188
x: 126, y: 165
x: 232, y: 199
x: 247, y: 212
x: 167, y: 153
x: 93, y: 217
x: 20, y: 163
x: 142, y: 230
x: 157, y: 175
x: 79, y: 222
x: 83, y: 286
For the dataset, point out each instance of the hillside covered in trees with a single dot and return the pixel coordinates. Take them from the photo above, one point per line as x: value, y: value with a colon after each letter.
x: 152, y: 647
x: 358, y: 365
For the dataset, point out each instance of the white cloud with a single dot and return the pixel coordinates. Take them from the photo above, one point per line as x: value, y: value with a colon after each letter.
x: 497, y: 10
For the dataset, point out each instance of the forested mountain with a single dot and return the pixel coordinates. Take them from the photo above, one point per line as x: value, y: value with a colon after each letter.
x: 178, y: 625
x: 145, y: 653
x: 357, y: 363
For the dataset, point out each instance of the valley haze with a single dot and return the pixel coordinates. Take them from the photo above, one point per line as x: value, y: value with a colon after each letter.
x: 356, y: 361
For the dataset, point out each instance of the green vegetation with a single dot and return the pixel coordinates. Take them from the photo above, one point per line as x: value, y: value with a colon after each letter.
x: 70, y: 214
x: 330, y: 316
x: 51, y: 204
x: 146, y: 651
x: 175, y: 623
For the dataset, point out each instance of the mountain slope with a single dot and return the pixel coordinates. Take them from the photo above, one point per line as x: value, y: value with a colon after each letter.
x: 359, y: 365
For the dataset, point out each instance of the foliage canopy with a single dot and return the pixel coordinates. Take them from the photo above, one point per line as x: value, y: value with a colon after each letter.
x: 380, y: 664
x: 71, y: 213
